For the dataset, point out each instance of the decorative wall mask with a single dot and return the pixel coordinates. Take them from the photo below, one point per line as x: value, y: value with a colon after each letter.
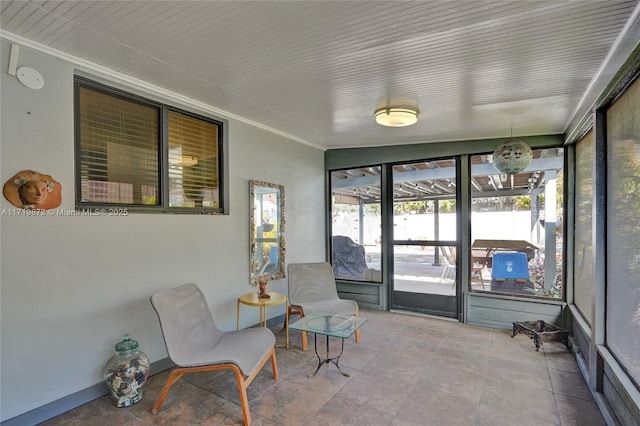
x: 33, y: 190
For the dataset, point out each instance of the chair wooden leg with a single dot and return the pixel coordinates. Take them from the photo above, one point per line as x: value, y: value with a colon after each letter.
x: 292, y: 311
x: 174, y: 376
x: 357, y: 331
x: 305, y: 339
x: 287, y: 317
x: 244, y: 401
x: 241, y: 382
x: 274, y: 364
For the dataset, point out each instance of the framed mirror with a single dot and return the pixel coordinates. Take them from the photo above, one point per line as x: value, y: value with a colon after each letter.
x: 266, y: 217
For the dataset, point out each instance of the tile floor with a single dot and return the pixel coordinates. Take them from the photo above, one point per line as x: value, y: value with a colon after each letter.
x: 408, y: 370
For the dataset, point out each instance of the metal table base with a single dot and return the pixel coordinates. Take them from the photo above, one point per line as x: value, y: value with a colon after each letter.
x: 327, y: 359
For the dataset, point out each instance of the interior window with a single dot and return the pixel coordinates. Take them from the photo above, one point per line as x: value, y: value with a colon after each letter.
x: 122, y: 159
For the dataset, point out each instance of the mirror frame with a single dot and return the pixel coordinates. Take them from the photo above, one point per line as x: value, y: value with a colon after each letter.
x: 259, y: 269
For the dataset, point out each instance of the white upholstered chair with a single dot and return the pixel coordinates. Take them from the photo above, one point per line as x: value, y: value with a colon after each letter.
x: 195, y: 343
x: 312, y: 288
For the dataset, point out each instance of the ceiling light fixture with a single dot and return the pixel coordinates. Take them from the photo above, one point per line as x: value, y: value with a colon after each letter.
x: 512, y: 157
x: 396, y: 117
x: 184, y: 160
x: 189, y: 160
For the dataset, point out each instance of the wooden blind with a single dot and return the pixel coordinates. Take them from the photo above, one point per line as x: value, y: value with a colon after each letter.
x: 193, y: 162
x: 119, y: 143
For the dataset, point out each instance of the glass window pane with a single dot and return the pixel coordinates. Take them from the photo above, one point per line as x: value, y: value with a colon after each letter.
x: 516, y: 225
x: 425, y: 227
x: 118, y: 149
x: 623, y: 230
x: 355, y: 228
x: 584, y: 277
x: 193, y: 162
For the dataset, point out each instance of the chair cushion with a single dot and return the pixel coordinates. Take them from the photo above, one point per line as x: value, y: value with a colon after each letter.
x: 244, y: 348
x: 193, y: 339
x: 311, y: 282
x: 312, y: 287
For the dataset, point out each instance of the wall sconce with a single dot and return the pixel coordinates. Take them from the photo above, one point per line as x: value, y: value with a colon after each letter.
x: 396, y: 117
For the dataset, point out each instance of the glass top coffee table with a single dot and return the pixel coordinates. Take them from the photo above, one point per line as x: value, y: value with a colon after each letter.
x: 329, y: 325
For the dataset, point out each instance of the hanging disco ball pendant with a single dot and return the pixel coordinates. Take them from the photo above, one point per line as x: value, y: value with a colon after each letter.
x: 512, y: 157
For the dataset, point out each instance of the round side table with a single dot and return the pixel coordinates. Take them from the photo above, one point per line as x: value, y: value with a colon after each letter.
x: 252, y: 299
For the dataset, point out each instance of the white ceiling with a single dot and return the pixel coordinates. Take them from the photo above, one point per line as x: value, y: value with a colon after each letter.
x: 316, y: 70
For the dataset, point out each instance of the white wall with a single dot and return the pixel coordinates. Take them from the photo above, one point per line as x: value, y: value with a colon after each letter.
x: 70, y: 287
x: 509, y: 225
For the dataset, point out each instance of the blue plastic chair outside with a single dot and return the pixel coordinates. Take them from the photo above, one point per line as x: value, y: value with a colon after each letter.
x: 510, y: 266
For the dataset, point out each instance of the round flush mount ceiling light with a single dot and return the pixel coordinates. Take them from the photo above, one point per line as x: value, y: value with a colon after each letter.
x: 396, y: 117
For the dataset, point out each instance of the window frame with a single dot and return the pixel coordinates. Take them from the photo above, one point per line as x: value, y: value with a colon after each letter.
x: 562, y: 218
x: 367, y: 277
x: 163, y: 108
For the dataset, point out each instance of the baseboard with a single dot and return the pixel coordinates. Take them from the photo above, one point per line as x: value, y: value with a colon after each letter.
x: 600, y: 400
x: 420, y: 314
x: 62, y: 405
x: 69, y: 402
x: 273, y: 321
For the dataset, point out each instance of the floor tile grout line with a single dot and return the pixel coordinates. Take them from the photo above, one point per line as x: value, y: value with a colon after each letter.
x: 553, y: 388
x: 498, y: 349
